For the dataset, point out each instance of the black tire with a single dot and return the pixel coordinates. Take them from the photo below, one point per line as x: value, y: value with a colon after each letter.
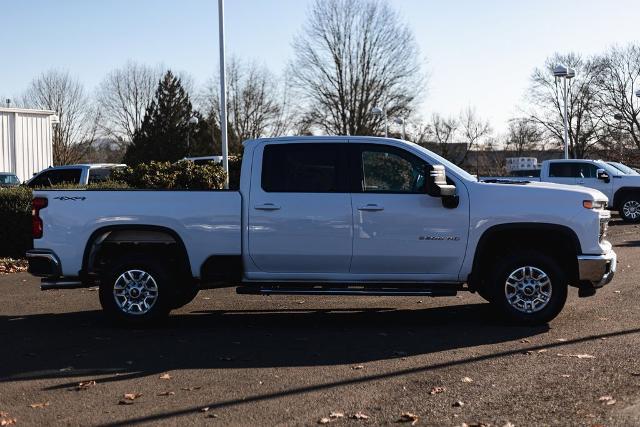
x: 184, y: 297
x: 629, y: 209
x: 114, y: 275
x: 515, y: 304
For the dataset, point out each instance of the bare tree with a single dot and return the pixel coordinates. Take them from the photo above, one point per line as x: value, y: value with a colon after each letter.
x: 586, y: 127
x: 523, y: 135
x: 123, y: 97
x: 617, y: 82
x: 473, y: 131
x: 351, y: 56
x: 257, y: 106
x: 58, y: 91
x: 443, y: 132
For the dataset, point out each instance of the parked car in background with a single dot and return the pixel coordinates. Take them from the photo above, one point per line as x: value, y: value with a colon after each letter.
x: 329, y: 216
x: 627, y: 170
x: 204, y: 159
x: 8, y: 179
x: 81, y: 174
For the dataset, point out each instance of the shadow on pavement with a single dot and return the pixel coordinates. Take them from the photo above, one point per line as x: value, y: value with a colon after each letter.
x: 84, y: 344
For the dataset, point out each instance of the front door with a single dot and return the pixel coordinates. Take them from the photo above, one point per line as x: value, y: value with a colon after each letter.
x: 300, y: 209
x: 398, y: 229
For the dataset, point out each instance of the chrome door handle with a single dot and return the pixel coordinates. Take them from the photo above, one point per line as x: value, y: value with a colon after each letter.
x: 266, y: 207
x: 371, y: 207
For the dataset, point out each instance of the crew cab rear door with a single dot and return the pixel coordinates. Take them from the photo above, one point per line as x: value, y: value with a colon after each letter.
x: 401, y: 233
x: 300, y: 208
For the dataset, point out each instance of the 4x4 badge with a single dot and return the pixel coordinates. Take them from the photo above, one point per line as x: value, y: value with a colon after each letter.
x: 65, y: 198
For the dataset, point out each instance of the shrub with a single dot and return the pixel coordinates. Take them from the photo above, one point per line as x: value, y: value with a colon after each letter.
x: 15, y: 223
x: 183, y: 175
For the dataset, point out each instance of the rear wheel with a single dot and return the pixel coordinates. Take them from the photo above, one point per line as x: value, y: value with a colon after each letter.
x: 136, y: 289
x: 630, y: 208
x: 527, y: 287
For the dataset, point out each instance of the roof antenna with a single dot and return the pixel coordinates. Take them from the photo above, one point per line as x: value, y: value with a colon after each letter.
x: 8, y: 101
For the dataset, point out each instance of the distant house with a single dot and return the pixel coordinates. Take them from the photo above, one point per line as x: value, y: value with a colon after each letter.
x: 26, y: 141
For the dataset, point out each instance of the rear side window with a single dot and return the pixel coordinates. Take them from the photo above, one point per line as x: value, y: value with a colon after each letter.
x: 99, y: 175
x: 304, y: 168
x: 57, y: 177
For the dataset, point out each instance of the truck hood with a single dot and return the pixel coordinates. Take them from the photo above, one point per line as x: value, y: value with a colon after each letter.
x: 588, y: 193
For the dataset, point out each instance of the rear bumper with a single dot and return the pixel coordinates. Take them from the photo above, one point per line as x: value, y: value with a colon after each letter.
x: 598, y: 270
x: 44, y: 263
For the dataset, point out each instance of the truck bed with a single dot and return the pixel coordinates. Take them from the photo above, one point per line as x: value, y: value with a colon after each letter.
x: 207, y: 222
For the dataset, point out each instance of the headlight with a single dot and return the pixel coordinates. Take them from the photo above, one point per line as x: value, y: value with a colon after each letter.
x: 594, y: 204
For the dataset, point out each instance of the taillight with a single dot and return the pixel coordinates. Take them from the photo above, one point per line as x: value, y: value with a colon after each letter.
x: 36, y: 222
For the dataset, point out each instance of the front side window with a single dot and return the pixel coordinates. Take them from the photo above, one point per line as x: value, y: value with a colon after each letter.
x: 304, y: 168
x: 391, y: 170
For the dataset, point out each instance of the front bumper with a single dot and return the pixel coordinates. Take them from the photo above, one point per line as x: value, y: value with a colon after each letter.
x: 598, y: 270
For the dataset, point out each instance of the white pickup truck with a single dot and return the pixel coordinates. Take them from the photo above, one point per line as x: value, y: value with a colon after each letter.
x: 328, y: 215
x: 621, y: 188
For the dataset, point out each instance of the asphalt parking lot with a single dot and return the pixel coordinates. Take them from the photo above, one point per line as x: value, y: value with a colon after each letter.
x: 252, y: 360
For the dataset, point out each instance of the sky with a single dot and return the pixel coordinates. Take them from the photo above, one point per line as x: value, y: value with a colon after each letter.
x: 477, y: 53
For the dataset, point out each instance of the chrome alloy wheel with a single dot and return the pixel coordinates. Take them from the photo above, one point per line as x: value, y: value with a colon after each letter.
x: 631, y: 209
x: 528, y: 289
x: 135, y: 292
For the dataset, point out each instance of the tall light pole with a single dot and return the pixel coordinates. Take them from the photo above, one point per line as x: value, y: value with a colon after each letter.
x: 223, y: 94
x: 377, y: 111
x: 565, y: 73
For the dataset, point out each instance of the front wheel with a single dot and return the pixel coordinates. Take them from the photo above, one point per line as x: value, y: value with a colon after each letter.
x: 630, y: 208
x: 136, y: 289
x: 528, y: 288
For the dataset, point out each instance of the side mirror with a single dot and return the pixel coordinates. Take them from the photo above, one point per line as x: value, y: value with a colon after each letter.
x: 436, y: 182
x: 603, y: 175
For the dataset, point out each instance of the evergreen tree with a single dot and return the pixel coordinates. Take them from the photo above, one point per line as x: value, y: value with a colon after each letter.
x: 165, y: 128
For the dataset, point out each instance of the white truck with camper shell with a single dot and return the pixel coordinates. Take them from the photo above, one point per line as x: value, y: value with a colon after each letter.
x: 328, y: 216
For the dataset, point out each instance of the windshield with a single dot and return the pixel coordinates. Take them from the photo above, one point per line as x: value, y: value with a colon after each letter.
x: 624, y: 168
x: 611, y: 170
x: 446, y: 163
x: 9, y: 179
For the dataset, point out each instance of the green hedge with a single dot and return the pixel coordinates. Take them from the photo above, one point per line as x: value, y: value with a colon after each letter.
x: 184, y: 175
x: 15, y: 221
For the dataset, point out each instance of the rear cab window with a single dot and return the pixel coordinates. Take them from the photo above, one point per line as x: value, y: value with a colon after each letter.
x: 305, y: 168
x: 57, y: 177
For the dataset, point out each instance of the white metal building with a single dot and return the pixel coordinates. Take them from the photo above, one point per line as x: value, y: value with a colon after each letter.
x: 26, y: 141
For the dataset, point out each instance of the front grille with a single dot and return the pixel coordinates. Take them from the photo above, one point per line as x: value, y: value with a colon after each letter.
x: 604, y: 225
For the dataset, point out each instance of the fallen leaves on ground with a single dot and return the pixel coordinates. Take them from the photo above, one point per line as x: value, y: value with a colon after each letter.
x: 437, y: 390
x: 357, y: 367
x: 6, y: 419
x: 10, y: 265
x: 165, y: 377
x: 408, y: 417
x: 466, y: 380
x: 39, y: 405
x: 166, y: 393
x: 458, y: 404
x: 191, y: 388
x: 607, y: 400
x: 129, y: 398
x: 359, y: 416
x: 577, y: 356
x: 332, y: 417
x: 84, y: 385
x: 205, y: 409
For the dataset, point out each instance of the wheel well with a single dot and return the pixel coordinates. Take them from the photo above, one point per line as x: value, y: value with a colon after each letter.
x: 558, y: 241
x: 109, y: 242
x: 623, y: 192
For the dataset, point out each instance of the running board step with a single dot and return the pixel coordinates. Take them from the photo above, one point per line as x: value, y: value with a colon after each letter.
x: 48, y: 284
x: 446, y: 290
